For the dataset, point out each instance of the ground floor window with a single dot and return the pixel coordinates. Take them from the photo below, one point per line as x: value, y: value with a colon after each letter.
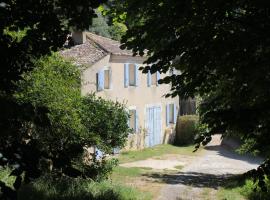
x: 171, y: 113
x: 132, y: 119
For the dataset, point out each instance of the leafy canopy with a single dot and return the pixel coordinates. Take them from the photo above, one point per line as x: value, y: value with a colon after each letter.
x: 222, y: 49
x: 74, y: 122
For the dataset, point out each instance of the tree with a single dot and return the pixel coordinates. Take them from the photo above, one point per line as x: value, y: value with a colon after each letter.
x: 29, y: 30
x: 106, y: 27
x: 75, y: 122
x: 222, y: 50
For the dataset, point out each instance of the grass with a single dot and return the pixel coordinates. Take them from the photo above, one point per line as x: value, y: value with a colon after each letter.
x: 179, y: 167
x: 159, y: 150
x: 230, y: 194
x: 47, y: 188
x: 128, y: 171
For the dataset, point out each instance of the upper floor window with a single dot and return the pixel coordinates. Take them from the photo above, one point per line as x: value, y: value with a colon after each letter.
x: 152, y: 79
x: 107, y: 79
x: 104, y: 79
x: 131, y: 74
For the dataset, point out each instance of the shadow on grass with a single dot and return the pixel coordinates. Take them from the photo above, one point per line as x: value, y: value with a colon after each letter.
x: 194, y: 179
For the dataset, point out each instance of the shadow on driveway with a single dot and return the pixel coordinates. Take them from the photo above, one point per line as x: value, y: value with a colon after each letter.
x: 194, y: 179
x: 224, y: 151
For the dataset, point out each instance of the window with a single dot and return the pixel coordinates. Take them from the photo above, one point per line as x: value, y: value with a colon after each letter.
x: 152, y: 79
x: 132, y: 120
x: 107, y: 77
x: 132, y: 78
x: 131, y: 75
x: 103, y: 79
x: 171, y: 114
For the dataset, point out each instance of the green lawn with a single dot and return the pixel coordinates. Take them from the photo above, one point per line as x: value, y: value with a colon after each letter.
x: 243, y: 190
x: 159, y: 150
x: 48, y: 188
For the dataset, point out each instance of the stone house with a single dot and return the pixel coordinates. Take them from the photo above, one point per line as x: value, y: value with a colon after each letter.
x: 114, y: 74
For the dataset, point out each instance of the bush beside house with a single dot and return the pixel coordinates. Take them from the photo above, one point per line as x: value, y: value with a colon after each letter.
x: 186, y: 129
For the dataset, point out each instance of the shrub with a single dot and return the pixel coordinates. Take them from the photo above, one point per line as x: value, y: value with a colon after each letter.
x: 72, y: 123
x: 252, y: 190
x: 186, y: 129
x: 51, y: 188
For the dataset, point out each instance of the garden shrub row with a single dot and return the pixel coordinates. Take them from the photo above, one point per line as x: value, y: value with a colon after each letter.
x: 186, y: 129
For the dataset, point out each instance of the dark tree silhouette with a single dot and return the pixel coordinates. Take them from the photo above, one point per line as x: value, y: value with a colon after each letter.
x: 222, y: 49
x: 29, y: 30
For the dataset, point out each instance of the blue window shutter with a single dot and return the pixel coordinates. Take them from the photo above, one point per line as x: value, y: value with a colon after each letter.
x: 158, y: 76
x: 167, y: 114
x: 126, y: 75
x: 116, y: 150
x: 149, y: 78
x: 136, y: 75
x: 99, y: 153
x: 136, y: 121
x: 110, y: 78
x: 100, y: 80
x: 174, y: 114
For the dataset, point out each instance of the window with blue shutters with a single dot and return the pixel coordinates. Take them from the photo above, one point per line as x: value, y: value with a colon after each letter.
x: 104, y: 79
x: 131, y: 74
x: 107, y: 78
x: 134, y: 120
x: 171, y: 114
x: 152, y: 79
x: 100, y: 80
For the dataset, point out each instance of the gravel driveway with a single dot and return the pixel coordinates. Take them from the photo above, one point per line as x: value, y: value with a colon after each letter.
x: 207, y: 171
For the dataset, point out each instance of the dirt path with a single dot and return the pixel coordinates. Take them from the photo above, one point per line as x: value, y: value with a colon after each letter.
x: 206, y: 172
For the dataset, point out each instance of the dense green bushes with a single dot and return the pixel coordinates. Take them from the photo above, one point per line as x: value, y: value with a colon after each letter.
x: 49, y: 188
x: 186, y: 129
x: 240, y: 188
x: 73, y: 122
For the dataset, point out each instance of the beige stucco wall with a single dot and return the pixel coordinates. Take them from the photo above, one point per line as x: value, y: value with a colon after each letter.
x: 139, y: 97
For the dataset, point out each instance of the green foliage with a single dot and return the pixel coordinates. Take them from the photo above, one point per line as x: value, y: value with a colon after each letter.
x: 100, y: 170
x: 186, y: 129
x: 222, y: 50
x: 117, y: 30
x: 74, y: 123
x: 253, y: 192
x: 106, y: 121
x: 243, y: 189
x: 102, y: 26
x: 5, y: 176
x: 51, y: 188
x: 54, y: 84
x: 28, y: 31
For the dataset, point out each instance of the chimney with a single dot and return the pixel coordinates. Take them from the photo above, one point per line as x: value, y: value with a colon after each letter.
x: 79, y: 37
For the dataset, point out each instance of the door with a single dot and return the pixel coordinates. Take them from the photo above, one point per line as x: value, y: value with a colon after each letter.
x: 153, y: 118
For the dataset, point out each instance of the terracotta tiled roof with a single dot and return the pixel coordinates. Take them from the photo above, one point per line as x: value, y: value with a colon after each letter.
x: 86, y: 53
x: 107, y: 44
x: 95, y: 48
